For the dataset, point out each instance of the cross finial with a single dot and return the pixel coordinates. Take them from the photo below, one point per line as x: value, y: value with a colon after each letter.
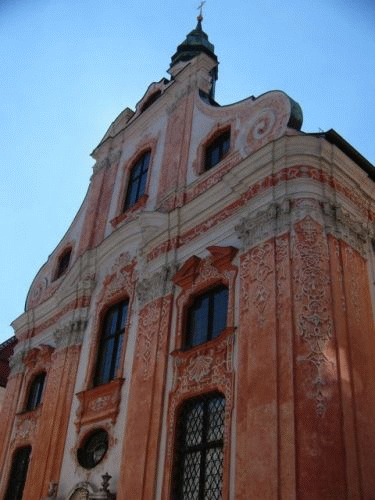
x: 200, y: 8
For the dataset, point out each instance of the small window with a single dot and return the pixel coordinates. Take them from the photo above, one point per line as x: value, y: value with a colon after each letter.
x: 63, y: 263
x: 35, y: 391
x: 110, y: 346
x: 198, y: 467
x: 217, y: 149
x: 207, y: 316
x: 18, y: 474
x: 137, y: 181
x: 93, y: 449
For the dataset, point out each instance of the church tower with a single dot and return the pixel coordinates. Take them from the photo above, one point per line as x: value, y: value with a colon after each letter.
x: 205, y: 328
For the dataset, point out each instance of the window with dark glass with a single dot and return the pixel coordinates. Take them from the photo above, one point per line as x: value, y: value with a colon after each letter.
x: 63, y: 263
x: 18, y: 474
x: 35, y: 391
x: 207, y: 316
x: 198, y: 467
x: 93, y: 449
x: 137, y: 181
x: 111, y: 339
x: 217, y: 149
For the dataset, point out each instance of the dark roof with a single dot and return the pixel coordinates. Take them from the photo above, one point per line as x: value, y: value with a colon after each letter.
x: 334, y: 138
x: 195, y: 43
x: 6, y: 351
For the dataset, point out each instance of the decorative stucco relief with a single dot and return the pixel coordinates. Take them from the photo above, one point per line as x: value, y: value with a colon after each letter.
x: 152, y: 332
x: 25, y: 426
x: 354, y: 231
x: 155, y: 286
x: 278, y: 218
x: 70, y: 333
x: 107, y: 162
x: 99, y: 404
x: 313, y: 306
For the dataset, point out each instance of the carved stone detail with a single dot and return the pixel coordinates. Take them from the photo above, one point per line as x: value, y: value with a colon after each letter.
x: 278, y: 218
x: 158, y: 285
x: 71, y: 333
x: 16, y: 364
x: 343, y: 226
x: 266, y: 224
x: 25, y: 425
x: 110, y: 160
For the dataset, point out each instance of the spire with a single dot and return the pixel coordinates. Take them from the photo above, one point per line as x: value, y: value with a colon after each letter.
x: 195, y: 43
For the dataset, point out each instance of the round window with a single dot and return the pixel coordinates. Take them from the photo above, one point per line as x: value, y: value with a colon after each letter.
x: 93, y: 449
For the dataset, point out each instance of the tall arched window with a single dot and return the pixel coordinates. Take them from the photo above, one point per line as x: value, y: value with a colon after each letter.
x: 198, y: 466
x: 111, y: 339
x: 18, y: 474
x: 207, y: 316
x: 35, y: 391
x: 137, y: 180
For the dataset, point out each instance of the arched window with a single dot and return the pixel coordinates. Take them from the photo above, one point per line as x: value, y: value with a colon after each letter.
x: 18, y: 474
x: 35, y: 391
x: 198, y: 466
x: 137, y: 181
x: 217, y: 149
x: 111, y: 339
x: 207, y: 316
x: 63, y: 263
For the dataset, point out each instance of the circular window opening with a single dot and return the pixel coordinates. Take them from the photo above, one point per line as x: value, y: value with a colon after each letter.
x: 93, y: 449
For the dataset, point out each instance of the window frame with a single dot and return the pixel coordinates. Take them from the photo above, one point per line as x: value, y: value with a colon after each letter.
x: 17, y: 479
x: 221, y: 141
x: 86, y: 453
x: 211, y: 332
x: 35, y: 391
x: 138, y: 182
x: 63, y: 262
x: 182, y: 449
x: 114, y: 354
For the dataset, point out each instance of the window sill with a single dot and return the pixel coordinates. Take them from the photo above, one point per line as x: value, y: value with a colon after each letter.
x: 129, y: 212
x: 99, y: 403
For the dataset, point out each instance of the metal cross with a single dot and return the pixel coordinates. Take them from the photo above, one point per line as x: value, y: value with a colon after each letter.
x: 200, y: 6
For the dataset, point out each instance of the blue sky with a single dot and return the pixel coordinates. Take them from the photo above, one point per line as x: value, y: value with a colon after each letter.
x: 69, y: 67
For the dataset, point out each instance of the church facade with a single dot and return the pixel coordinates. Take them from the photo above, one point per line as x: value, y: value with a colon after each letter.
x: 205, y: 328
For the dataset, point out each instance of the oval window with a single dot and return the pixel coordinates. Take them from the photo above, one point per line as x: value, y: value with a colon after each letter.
x: 93, y: 449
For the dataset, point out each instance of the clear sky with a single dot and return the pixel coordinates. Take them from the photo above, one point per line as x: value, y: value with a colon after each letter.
x: 69, y: 67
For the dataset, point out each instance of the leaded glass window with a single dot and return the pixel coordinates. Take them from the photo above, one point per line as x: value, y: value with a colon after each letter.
x: 207, y: 316
x: 198, y: 468
x: 18, y: 474
x: 137, y: 181
x: 111, y: 340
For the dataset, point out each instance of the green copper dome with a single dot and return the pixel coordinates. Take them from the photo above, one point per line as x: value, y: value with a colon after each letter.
x: 196, y: 42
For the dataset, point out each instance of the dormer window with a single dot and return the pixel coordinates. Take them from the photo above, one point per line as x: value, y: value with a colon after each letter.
x: 63, y: 263
x: 137, y: 181
x: 217, y: 149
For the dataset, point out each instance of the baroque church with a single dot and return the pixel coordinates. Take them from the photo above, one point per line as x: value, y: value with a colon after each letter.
x: 205, y: 328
